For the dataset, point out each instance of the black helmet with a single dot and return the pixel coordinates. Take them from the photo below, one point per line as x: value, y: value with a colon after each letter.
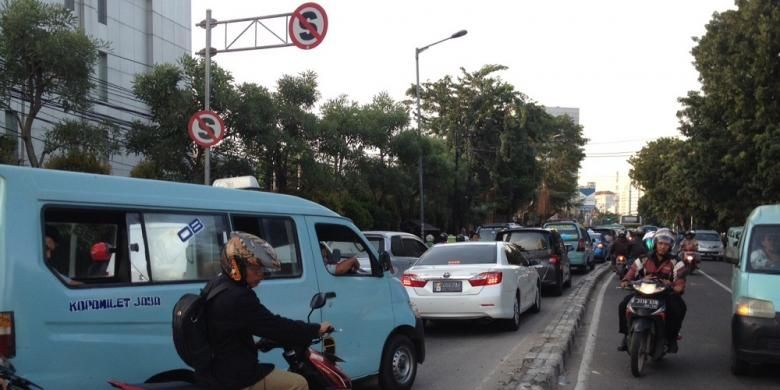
x: 622, y: 234
x: 244, y: 249
x: 690, y: 234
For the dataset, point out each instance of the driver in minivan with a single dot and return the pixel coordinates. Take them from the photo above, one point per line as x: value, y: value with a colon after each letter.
x: 767, y: 257
x: 338, y: 266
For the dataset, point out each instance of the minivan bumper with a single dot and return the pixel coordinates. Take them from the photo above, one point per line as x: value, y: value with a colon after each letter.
x: 756, y: 340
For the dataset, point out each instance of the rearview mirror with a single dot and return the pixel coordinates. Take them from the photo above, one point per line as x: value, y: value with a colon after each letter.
x: 385, y: 263
x: 731, y: 260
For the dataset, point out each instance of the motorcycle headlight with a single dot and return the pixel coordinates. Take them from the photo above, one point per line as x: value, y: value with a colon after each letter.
x: 647, y: 288
x: 749, y: 307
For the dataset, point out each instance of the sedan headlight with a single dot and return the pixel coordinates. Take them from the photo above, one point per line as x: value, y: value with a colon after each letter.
x: 749, y: 307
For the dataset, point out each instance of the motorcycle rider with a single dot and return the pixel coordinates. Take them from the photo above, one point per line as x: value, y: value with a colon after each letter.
x: 689, y: 243
x: 621, y: 247
x: 658, y: 263
x: 236, y: 314
x: 638, y: 247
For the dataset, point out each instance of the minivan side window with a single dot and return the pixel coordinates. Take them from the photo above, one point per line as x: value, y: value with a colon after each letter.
x: 280, y: 232
x: 764, y: 250
x: 184, y: 246
x: 342, y: 244
x: 85, y: 246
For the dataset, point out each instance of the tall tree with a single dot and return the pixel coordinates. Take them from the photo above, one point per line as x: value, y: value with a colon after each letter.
x: 174, y: 92
x: 45, y: 56
x: 77, y: 145
x: 734, y: 121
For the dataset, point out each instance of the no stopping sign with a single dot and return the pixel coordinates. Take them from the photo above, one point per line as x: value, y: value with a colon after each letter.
x: 308, y: 26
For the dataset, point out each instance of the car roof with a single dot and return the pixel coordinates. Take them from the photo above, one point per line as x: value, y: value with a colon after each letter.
x: 494, y: 243
x: 706, y: 231
x: 764, y: 215
x: 388, y: 233
x: 528, y: 229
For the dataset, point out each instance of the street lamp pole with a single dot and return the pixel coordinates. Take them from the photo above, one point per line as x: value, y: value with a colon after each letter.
x: 417, y: 52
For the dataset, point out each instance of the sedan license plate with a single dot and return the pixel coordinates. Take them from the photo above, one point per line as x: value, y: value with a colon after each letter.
x: 447, y: 286
x: 645, y: 303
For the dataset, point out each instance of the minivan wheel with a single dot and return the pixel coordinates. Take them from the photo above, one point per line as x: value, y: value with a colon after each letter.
x: 399, y: 364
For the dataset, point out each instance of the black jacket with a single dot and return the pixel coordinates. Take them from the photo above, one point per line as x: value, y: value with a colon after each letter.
x: 236, y: 314
x: 621, y: 246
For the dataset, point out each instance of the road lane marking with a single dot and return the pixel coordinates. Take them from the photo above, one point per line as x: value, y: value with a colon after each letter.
x: 715, y: 281
x: 590, y: 344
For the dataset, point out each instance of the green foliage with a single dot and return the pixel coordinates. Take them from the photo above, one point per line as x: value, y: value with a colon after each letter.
x: 729, y: 159
x: 44, y: 54
x: 174, y: 93
x: 78, y: 162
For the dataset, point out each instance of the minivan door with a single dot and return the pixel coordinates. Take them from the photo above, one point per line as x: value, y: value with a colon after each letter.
x: 362, y: 309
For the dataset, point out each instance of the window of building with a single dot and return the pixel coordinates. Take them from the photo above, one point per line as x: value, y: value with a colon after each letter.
x: 70, y: 4
x: 102, y: 12
x: 10, y: 132
x: 102, y: 76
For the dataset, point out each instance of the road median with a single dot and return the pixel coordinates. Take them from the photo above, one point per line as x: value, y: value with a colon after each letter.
x: 546, y: 359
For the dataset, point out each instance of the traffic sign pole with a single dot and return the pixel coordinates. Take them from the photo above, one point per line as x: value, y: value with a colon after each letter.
x: 207, y: 95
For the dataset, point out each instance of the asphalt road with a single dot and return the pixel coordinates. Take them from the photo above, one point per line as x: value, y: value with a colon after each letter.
x: 475, y: 354
x: 703, y: 359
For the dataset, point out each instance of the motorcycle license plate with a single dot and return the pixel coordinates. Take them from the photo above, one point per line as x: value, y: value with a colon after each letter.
x: 447, y: 286
x: 645, y: 303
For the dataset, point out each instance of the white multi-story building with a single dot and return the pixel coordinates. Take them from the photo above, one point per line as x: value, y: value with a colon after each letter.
x: 606, y: 201
x: 139, y: 34
x: 628, y: 199
x: 571, y: 112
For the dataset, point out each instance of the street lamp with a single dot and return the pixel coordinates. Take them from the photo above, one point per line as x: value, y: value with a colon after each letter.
x: 417, y: 52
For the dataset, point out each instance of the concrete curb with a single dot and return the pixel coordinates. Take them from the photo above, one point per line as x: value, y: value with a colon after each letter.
x: 545, y: 361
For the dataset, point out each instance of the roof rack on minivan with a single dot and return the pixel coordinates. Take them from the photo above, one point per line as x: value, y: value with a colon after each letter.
x: 239, y: 182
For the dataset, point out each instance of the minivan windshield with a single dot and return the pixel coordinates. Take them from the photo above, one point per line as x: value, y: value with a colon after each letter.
x: 530, y: 241
x: 459, y: 254
x: 765, y: 250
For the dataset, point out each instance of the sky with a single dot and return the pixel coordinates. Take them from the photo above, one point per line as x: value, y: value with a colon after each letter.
x: 623, y: 63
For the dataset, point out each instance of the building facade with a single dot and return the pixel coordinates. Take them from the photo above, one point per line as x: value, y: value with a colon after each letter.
x: 571, y: 112
x: 138, y: 34
x: 606, y: 201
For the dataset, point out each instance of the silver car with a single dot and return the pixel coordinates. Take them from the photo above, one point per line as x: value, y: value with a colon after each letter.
x: 404, y: 248
x: 710, y: 245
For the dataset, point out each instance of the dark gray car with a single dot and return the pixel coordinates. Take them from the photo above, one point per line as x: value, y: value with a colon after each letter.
x: 547, y: 253
x: 404, y: 248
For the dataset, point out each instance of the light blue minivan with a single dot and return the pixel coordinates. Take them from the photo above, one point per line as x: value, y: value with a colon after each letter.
x: 92, y: 265
x: 578, y: 243
x: 755, y: 285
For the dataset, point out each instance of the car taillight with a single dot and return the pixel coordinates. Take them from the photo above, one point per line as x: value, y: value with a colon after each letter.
x: 411, y: 280
x: 486, y: 279
x: 581, y: 246
x: 7, y: 346
x: 554, y: 260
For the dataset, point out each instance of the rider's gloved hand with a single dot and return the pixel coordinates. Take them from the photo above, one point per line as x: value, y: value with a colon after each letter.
x: 325, y: 327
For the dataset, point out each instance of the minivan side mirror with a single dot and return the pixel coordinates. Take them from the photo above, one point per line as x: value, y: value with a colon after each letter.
x: 732, y: 260
x: 318, y: 301
x: 385, y: 263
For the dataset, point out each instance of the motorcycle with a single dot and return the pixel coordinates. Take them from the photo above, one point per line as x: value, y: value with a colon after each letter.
x: 10, y: 381
x: 691, y: 260
x: 319, y: 368
x: 646, y: 316
x: 620, y: 266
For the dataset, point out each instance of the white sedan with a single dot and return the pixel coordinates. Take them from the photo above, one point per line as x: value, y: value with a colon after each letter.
x: 468, y: 280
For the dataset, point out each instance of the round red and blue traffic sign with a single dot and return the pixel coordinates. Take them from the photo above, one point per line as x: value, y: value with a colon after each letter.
x: 308, y: 25
x: 206, y: 128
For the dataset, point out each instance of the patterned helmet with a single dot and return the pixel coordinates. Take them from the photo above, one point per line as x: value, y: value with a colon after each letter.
x: 244, y: 249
